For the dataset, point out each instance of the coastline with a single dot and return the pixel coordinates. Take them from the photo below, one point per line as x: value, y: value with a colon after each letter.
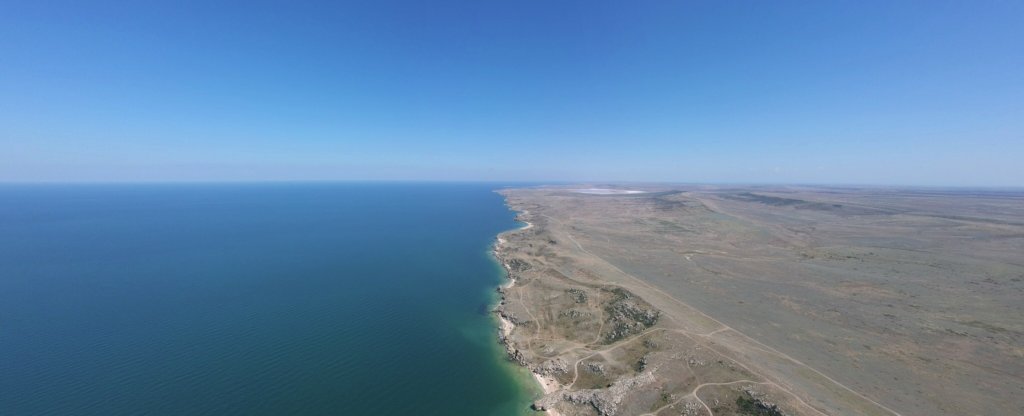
x: 547, y: 384
x: 617, y: 344
x: 628, y: 351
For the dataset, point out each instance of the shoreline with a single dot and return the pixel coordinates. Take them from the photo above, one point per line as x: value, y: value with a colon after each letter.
x: 617, y: 343
x: 547, y: 384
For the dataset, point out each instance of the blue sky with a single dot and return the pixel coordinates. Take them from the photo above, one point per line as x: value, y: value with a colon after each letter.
x: 863, y: 92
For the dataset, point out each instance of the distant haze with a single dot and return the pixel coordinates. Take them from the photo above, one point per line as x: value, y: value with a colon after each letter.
x: 902, y: 93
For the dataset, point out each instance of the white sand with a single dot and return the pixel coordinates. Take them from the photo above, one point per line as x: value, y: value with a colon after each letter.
x: 549, y: 384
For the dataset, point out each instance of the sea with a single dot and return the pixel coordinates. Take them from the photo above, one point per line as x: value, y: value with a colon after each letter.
x: 253, y: 299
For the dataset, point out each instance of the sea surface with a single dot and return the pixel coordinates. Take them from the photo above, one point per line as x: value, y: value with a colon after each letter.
x: 253, y: 299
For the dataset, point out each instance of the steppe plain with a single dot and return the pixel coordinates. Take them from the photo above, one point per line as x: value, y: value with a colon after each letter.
x: 698, y: 300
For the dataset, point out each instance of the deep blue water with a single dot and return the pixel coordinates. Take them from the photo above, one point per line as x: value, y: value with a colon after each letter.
x: 271, y: 299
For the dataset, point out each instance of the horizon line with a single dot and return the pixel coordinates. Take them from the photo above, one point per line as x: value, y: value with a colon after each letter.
x: 510, y: 182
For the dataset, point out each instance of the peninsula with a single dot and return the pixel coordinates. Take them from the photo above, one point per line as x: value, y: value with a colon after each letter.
x: 766, y: 301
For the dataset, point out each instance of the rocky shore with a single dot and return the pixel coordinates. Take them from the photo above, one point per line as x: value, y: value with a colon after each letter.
x: 625, y: 312
x: 508, y: 320
x: 628, y: 316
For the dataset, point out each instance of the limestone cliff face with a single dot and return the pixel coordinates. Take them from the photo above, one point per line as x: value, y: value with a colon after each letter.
x: 606, y: 401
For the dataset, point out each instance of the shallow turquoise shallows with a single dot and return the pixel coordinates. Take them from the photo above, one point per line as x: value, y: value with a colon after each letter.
x: 271, y: 299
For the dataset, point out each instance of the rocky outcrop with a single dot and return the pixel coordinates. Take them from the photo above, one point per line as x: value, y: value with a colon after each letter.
x: 552, y: 366
x: 627, y: 316
x: 642, y: 363
x: 518, y: 265
x: 756, y: 403
x: 577, y: 295
x: 574, y: 314
x: 504, y: 313
x: 605, y: 401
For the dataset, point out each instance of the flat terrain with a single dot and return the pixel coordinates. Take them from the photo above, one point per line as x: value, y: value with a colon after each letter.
x: 765, y: 301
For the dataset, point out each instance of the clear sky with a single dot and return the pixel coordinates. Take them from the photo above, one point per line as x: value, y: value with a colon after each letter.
x: 863, y: 92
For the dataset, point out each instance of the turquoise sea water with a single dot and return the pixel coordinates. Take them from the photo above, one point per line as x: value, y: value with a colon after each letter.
x: 272, y: 299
